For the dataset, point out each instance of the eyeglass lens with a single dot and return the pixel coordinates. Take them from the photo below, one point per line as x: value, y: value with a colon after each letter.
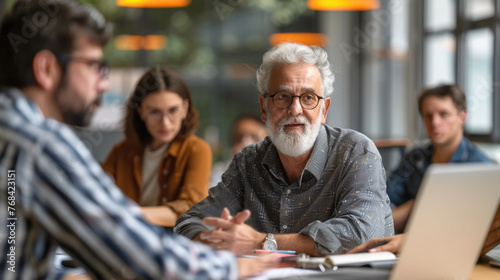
x: 172, y: 114
x: 307, y: 100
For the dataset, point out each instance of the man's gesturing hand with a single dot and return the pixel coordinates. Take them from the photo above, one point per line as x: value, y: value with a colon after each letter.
x: 231, y: 233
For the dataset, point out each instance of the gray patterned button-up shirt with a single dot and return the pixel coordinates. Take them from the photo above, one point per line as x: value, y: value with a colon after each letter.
x: 340, y: 199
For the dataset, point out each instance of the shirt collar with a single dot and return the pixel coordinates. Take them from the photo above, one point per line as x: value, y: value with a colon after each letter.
x: 271, y: 160
x: 319, y: 154
x: 15, y: 98
x: 174, y: 148
x: 461, y: 153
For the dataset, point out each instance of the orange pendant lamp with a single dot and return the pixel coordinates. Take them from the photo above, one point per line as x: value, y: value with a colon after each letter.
x: 310, y: 39
x: 153, y: 3
x: 343, y: 5
x: 135, y: 42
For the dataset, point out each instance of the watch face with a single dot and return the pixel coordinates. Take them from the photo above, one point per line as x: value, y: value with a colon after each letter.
x: 270, y: 245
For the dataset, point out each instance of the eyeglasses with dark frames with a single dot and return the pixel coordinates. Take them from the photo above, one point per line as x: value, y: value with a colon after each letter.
x: 101, y: 66
x: 283, y: 100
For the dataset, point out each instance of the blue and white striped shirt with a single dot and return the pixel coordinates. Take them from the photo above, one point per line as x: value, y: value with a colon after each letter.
x: 53, y: 193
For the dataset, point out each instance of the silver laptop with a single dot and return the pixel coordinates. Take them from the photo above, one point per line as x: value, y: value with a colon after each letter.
x: 451, y: 217
x: 450, y: 220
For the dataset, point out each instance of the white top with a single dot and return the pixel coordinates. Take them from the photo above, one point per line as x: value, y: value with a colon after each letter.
x: 150, y: 185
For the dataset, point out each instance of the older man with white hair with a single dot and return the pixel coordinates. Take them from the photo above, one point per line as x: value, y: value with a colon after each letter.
x: 307, y: 187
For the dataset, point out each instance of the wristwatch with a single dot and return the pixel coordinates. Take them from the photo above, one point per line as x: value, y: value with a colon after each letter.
x: 270, y: 242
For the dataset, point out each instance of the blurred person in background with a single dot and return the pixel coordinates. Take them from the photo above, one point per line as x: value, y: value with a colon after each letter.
x: 161, y: 165
x: 443, y: 112
x: 247, y: 129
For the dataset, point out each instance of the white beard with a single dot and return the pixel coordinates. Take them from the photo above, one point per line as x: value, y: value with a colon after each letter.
x: 293, y: 143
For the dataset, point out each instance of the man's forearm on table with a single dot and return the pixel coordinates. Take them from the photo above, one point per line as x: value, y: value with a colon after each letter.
x: 297, y: 242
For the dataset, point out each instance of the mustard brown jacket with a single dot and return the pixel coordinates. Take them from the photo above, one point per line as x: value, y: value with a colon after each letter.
x: 183, y: 174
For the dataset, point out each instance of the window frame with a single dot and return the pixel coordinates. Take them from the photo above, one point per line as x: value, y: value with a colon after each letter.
x: 464, y: 25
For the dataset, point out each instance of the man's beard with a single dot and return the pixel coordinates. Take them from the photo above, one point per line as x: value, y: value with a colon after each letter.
x: 68, y: 103
x: 293, y: 143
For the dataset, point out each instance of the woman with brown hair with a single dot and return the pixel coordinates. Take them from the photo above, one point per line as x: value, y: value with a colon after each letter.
x: 161, y: 164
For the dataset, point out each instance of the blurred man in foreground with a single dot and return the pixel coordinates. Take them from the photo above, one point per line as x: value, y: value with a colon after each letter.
x: 53, y: 193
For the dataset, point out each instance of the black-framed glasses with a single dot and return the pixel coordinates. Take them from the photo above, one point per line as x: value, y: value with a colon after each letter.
x: 283, y: 100
x: 101, y: 66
